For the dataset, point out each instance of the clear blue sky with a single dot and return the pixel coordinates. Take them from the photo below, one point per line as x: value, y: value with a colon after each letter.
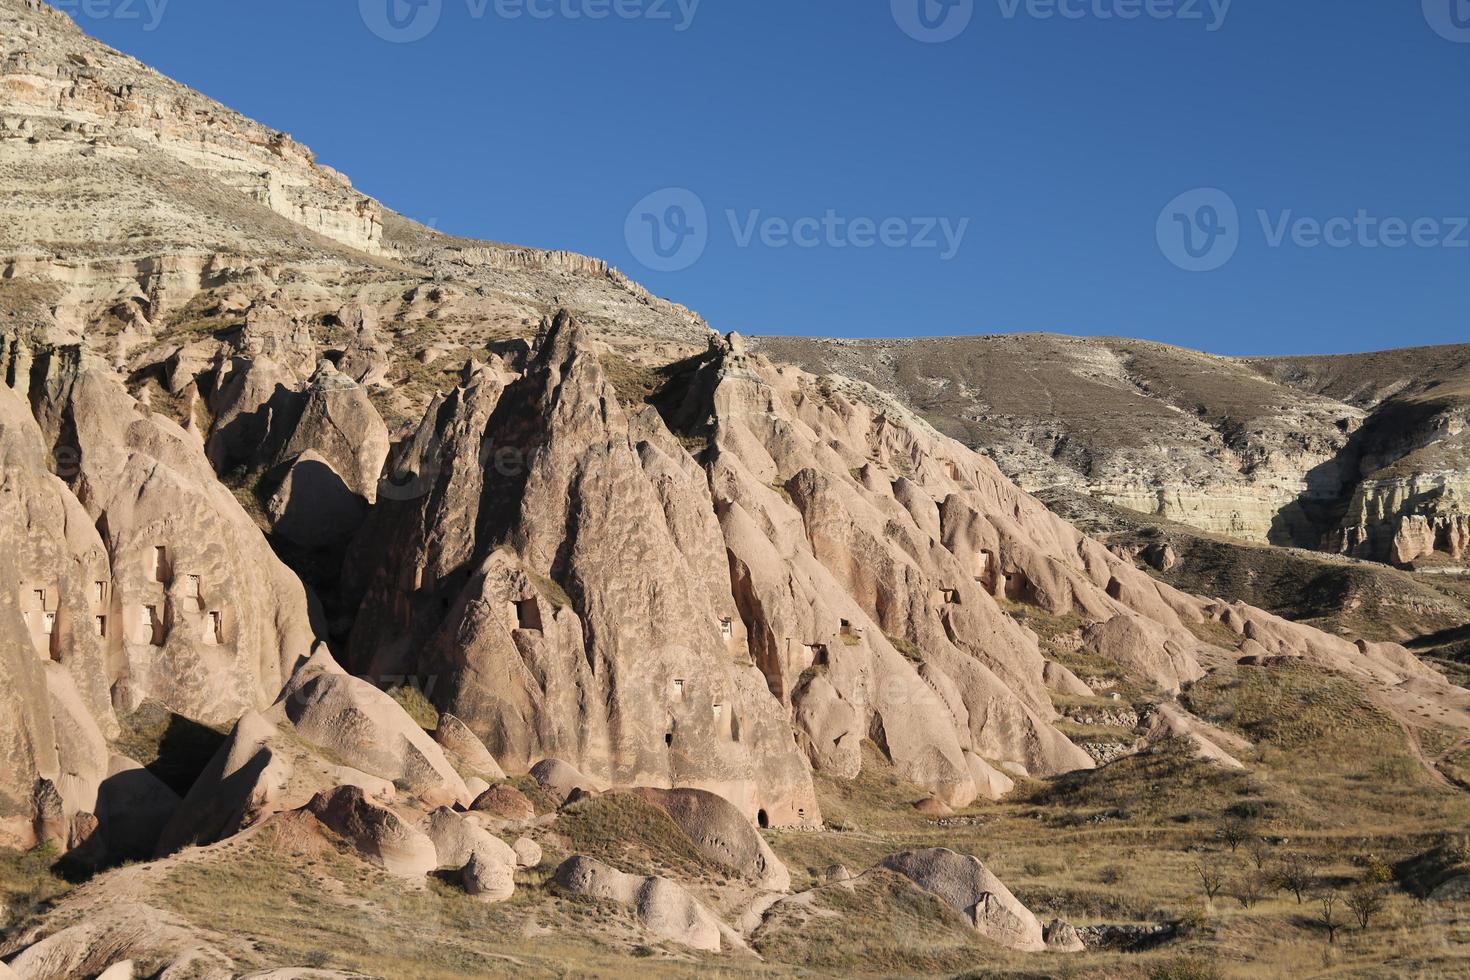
x: 1061, y: 140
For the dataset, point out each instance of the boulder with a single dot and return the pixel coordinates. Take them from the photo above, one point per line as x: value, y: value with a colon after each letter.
x: 665, y: 909
x: 964, y: 884
x: 340, y: 427
x: 456, y: 839
x: 133, y: 806
x: 559, y: 779
x: 463, y: 745
x: 378, y: 833
x: 838, y: 875
x: 990, y: 781
x: 930, y: 807
x: 1062, y: 937
x: 722, y: 833
x: 528, y: 852
x: 488, y: 879
x: 356, y: 722
x: 505, y: 802
x: 313, y: 507
x: 487, y: 864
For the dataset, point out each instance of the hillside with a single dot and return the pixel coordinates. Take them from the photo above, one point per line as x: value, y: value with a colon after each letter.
x: 1363, y: 454
x: 381, y: 604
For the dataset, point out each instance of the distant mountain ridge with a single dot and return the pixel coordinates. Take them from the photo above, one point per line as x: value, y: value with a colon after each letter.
x: 1363, y: 454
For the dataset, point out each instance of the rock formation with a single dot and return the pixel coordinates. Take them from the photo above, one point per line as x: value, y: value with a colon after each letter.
x: 665, y: 910
x: 389, y: 527
x: 965, y: 884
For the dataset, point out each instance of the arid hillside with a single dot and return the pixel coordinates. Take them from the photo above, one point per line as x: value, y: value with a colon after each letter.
x: 379, y: 604
x: 1363, y: 454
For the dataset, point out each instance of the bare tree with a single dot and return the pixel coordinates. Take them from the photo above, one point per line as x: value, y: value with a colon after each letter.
x: 1249, y: 888
x: 1210, y: 878
x: 1260, y: 852
x: 1235, y: 832
x: 1296, y: 875
x: 1364, y: 902
x: 1327, y: 907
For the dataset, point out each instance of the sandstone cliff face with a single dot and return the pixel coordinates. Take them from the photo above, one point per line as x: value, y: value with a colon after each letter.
x: 721, y: 576
x: 133, y: 575
x: 664, y: 595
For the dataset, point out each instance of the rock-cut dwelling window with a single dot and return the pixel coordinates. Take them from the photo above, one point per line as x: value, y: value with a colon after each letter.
x: 48, y: 623
x: 727, y: 628
x: 528, y: 614
x: 820, y: 655
x: 152, y: 624
x: 984, y: 568
x: 102, y: 626
x: 101, y: 593
x: 196, y: 586
x: 678, y: 689
x: 1018, y: 588
x: 160, y: 564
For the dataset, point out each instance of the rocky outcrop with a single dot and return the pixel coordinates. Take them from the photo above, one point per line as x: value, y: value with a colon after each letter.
x: 666, y: 910
x: 1206, y: 741
x: 519, y: 615
x: 376, y: 832
x: 1360, y: 454
x: 465, y: 749
x: 505, y: 802
x: 486, y: 863
x: 722, y: 834
x: 964, y: 884
x: 352, y: 720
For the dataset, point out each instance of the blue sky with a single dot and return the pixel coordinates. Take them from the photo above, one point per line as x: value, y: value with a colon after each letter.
x: 862, y: 174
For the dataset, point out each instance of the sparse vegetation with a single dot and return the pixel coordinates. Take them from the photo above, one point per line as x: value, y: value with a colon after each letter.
x: 412, y: 698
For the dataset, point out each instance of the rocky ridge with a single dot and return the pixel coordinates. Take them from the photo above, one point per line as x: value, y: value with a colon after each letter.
x: 634, y: 565
x: 1363, y: 455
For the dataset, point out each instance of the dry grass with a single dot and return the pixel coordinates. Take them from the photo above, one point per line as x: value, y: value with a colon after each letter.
x: 632, y: 835
x: 416, y: 704
x: 28, y: 885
